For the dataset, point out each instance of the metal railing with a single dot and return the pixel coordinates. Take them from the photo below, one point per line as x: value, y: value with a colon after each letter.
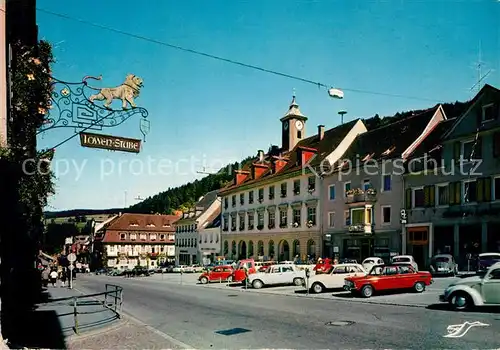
x: 111, y: 299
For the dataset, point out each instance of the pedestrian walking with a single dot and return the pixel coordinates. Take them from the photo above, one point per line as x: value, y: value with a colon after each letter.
x: 64, y: 276
x: 53, y: 278
x: 46, y: 277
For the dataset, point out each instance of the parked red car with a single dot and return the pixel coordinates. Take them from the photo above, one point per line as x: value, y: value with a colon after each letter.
x: 217, y: 274
x: 393, y: 277
x: 245, y: 266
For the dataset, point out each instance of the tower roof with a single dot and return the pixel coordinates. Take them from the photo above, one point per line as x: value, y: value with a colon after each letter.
x: 294, y: 111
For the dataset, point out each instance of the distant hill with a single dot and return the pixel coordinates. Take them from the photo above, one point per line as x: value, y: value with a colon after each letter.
x: 81, y: 212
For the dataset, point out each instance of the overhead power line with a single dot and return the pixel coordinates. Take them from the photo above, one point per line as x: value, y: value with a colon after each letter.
x: 227, y: 60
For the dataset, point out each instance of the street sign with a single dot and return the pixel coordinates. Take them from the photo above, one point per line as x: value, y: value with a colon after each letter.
x: 71, y: 257
x: 71, y: 267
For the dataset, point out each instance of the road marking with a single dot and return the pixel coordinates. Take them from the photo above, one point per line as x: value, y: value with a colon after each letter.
x: 459, y: 330
x: 150, y: 328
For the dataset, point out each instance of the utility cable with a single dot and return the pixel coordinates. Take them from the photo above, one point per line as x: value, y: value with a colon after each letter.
x: 227, y: 60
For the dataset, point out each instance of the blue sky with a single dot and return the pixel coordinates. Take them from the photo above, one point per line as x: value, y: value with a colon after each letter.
x: 205, y: 112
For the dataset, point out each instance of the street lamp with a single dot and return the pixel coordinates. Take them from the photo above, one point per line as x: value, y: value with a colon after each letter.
x: 336, y: 93
x: 342, y: 113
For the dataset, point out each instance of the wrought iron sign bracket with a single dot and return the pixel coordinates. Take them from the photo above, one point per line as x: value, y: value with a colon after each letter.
x: 72, y: 106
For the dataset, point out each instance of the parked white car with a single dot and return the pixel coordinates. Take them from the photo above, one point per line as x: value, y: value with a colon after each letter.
x: 281, y: 274
x: 180, y: 268
x: 368, y: 263
x: 335, y: 279
x: 405, y: 259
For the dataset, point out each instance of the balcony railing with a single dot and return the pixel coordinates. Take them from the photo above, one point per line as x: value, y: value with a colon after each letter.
x: 361, y: 197
x: 360, y: 228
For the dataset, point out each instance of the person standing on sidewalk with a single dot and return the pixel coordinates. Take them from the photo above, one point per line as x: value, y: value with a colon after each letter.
x: 45, y: 277
x: 64, y: 276
x: 53, y: 278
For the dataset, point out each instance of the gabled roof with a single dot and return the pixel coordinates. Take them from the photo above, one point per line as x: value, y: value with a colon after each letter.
x: 331, y: 139
x: 201, y: 206
x: 471, y: 105
x: 143, y: 222
x: 214, y: 220
x: 389, y: 141
x: 433, y: 141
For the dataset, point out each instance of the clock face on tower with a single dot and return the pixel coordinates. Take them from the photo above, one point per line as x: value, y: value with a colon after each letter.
x: 299, y: 125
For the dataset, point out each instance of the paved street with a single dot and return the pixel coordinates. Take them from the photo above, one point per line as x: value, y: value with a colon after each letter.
x: 205, y: 317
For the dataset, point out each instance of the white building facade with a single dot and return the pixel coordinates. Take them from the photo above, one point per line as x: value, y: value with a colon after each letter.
x: 188, y: 229
x: 272, y: 209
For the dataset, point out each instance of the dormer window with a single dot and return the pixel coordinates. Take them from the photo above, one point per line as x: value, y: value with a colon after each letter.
x: 167, y: 224
x: 488, y: 112
x: 150, y: 225
x: 389, y: 151
x: 134, y: 224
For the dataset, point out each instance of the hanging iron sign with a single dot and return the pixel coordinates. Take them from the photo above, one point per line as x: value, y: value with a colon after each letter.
x: 112, y: 143
x: 84, y: 107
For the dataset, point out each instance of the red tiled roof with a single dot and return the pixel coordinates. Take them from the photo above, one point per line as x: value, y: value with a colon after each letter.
x: 324, y: 147
x: 140, y: 222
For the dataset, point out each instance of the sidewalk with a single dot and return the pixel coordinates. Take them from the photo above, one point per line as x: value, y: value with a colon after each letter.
x: 125, y: 334
x: 91, y: 312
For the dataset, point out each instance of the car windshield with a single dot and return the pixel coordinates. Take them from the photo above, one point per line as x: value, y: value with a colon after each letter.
x: 442, y: 259
x: 401, y: 259
x: 369, y: 261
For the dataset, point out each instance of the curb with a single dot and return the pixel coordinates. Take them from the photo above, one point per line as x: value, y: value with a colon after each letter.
x: 311, y: 296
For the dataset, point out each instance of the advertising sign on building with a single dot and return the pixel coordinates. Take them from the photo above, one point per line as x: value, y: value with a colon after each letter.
x: 112, y: 143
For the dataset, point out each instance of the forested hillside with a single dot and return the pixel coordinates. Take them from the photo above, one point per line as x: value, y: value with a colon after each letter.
x: 185, y: 196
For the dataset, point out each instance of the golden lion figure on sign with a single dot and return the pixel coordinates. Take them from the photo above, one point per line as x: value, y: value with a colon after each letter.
x: 126, y: 92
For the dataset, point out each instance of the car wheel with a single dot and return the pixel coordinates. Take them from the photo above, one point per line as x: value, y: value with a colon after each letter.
x: 317, y: 288
x: 367, y: 291
x: 419, y: 287
x: 257, y: 284
x: 460, y: 301
x: 297, y: 281
x: 204, y: 280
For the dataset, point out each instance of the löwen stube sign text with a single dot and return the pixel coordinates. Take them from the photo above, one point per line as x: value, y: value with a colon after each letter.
x: 113, y: 143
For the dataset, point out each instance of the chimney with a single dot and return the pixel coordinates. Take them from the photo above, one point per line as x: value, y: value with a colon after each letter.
x: 260, y: 154
x: 321, y: 132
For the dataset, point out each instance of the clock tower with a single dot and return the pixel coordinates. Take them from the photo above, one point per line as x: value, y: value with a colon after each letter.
x: 293, y: 127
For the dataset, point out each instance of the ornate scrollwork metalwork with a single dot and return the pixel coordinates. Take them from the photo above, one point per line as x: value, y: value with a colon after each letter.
x: 70, y: 107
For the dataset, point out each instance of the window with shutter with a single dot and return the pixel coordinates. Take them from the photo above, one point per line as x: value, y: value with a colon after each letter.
x: 458, y: 192
x: 408, y: 198
x: 478, y: 150
x: 496, y: 144
x: 457, y: 148
x: 451, y: 193
x: 432, y: 195
x: 487, y: 189
x: 480, y: 190
x: 426, y: 196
